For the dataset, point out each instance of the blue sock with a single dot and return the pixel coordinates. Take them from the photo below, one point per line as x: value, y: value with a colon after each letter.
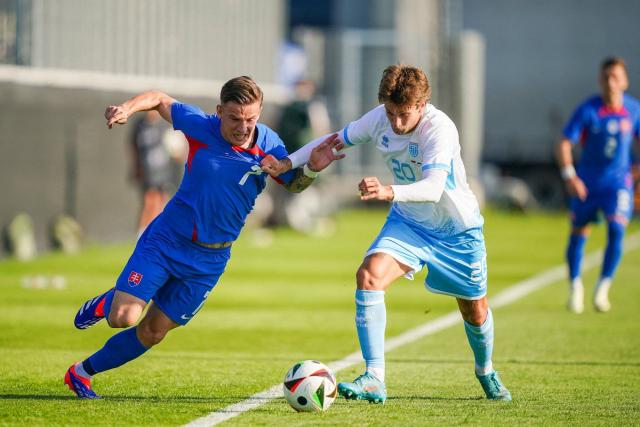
x: 574, y: 254
x: 371, y: 321
x: 481, y: 342
x: 118, y: 350
x: 107, y: 303
x: 613, y: 253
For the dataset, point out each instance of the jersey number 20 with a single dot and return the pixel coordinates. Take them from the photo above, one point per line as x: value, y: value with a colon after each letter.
x: 403, y: 171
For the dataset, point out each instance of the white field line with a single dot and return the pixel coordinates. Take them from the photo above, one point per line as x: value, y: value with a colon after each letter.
x: 506, y: 297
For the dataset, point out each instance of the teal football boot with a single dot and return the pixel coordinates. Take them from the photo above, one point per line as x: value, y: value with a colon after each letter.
x: 493, y: 387
x: 365, y: 387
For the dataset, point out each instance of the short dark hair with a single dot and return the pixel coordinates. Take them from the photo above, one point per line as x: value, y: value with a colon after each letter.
x: 610, y: 61
x: 404, y: 84
x: 242, y: 90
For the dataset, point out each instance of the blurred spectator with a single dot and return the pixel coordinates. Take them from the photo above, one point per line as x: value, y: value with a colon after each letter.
x: 302, y: 120
x: 20, y: 237
x: 506, y: 192
x: 292, y: 64
x: 155, y: 152
x: 66, y: 234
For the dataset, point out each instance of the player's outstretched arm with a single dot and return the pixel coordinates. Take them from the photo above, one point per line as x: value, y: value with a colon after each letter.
x: 572, y: 181
x: 275, y: 167
x: 321, y: 157
x: 152, y: 100
x: 326, y: 153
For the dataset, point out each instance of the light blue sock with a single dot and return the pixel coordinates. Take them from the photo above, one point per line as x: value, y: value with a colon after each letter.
x: 118, y: 350
x: 371, y: 321
x: 481, y: 342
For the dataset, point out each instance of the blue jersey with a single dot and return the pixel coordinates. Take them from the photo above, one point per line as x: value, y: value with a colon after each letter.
x: 221, y: 181
x: 606, y: 136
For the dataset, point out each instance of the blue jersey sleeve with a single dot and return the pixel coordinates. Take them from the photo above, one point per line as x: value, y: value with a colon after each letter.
x: 574, y: 129
x: 191, y: 120
x: 279, y: 151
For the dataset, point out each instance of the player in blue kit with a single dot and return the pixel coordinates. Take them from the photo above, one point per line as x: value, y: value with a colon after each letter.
x: 434, y: 221
x: 605, y: 126
x: 183, y: 252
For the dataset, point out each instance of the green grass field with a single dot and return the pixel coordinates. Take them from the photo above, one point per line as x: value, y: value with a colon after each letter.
x: 293, y: 300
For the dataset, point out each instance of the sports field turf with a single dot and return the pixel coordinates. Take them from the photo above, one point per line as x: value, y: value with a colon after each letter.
x: 293, y: 300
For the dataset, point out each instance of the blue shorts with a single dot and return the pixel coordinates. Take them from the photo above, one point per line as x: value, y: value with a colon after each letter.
x: 173, y: 271
x: 617, y: 205
x: 457, y: 265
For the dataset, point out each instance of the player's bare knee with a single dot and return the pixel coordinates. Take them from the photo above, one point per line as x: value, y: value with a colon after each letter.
x: 367, y: 281
x: 123, y: 317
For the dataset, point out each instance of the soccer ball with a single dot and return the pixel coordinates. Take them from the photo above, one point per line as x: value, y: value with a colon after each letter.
x: 310, y: 386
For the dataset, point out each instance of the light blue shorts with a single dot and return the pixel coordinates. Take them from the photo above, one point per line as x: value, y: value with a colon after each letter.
x: 457, y: 265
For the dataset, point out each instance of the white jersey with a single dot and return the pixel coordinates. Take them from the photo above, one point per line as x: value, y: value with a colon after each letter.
x: 433, y: 144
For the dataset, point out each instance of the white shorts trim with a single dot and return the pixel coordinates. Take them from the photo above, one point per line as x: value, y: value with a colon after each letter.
x: 437, y: 291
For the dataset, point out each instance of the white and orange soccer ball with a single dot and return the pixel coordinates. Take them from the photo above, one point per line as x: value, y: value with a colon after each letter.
x: 310, y: 386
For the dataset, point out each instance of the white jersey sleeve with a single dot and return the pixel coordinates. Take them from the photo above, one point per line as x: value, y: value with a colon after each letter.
x: 438, y: 148
x: 428, y: 189
x: 355, y: 133
x: 362, y: 130
x: 302, y: 154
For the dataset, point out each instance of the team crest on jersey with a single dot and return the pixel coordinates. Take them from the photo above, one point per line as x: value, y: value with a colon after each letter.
x: 413, y: 149
x: 134, y: 278
x: 625, y: 125
x: 385, y: 141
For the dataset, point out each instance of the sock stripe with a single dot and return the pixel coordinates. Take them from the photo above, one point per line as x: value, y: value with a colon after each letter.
x: 369, y: 303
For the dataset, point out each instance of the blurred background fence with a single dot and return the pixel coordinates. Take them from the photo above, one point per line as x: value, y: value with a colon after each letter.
x: 509, y: 72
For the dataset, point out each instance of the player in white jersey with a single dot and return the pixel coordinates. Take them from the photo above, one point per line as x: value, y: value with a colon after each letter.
x: 434, y: 221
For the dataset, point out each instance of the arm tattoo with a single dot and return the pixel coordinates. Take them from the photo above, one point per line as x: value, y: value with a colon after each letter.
x: 299, y: 182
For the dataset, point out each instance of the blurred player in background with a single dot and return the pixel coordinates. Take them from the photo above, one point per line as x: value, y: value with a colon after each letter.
x: 605, y: 125
x: 152, y: 165
x: 183, y: 252
x: 434, y: 221
x: 303, y: 119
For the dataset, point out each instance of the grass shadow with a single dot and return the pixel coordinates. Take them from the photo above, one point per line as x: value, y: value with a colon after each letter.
x: 520, y: 362
x: 148, y: 399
